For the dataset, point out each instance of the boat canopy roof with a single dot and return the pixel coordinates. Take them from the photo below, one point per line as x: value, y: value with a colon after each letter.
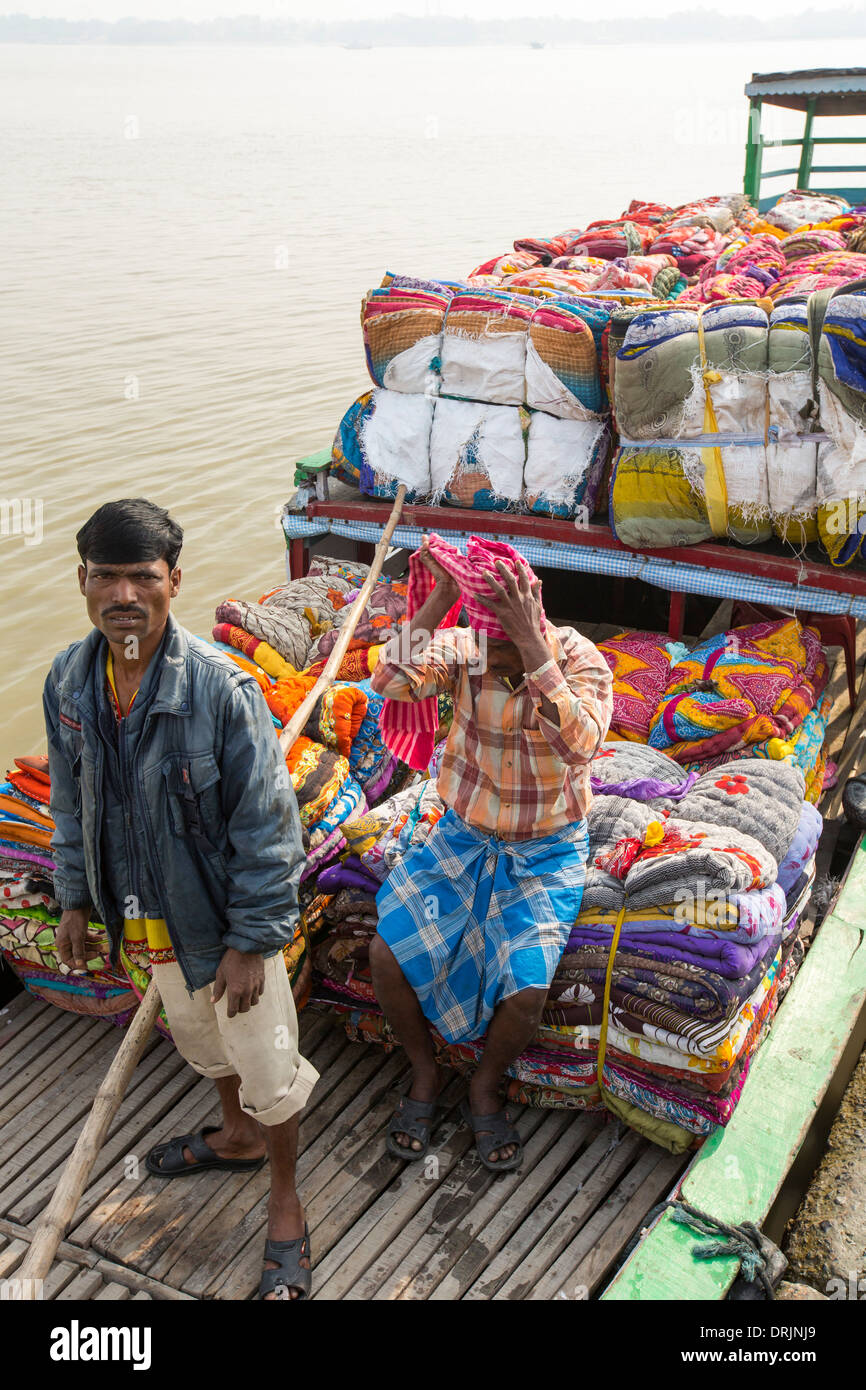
x: 835, y: 91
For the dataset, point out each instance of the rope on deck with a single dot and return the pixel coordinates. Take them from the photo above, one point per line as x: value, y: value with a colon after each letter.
x: 759, y: 1258
x: 744, y: 1243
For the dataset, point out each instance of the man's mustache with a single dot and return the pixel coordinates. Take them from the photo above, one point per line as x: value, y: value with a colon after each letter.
x: 123, y: 613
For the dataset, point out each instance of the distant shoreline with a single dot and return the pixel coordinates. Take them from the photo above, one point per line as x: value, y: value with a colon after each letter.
x: 441, y: 31
x: 558, y: 46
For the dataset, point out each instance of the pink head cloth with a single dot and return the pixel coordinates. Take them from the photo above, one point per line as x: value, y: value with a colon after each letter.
x: 470, y: 571
x: 408, y: 727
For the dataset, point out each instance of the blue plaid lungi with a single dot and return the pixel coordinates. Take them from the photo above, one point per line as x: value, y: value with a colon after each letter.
x: 473, y: 919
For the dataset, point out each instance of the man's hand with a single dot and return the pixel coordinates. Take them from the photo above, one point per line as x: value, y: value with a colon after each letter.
x: 241, y: 976
x: 444, y: 581
x: 516, y: 604
x: 71, y: 937
x: 417, y: 631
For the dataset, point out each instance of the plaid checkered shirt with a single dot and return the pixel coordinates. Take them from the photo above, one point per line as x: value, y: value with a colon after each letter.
x: 506, y: 769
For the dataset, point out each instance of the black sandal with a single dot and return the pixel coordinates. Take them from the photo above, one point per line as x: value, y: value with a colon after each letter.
x: 167, y: 1160
x: 291, y: 1273
x: 407, y: 1120
x: 494, y: 1132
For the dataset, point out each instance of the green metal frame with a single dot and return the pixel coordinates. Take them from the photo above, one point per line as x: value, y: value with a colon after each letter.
x: 755, y: 174
x: 307, y: 469
x: 787, y: 1105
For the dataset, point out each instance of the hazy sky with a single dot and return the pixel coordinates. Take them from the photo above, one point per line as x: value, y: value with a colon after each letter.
x: 368, y: 9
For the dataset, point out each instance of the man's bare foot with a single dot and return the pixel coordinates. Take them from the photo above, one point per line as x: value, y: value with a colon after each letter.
x: 285, y: 1222
x: 426, y: 1086
x: 485, y: 1100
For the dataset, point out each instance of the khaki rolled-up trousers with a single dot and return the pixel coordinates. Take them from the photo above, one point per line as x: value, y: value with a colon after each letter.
x: 260, y: 1046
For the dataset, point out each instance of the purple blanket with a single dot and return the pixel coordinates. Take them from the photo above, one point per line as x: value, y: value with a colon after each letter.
x: 695, y: 990
x: 12, y: 851
x: 645, y: 788
x: 803, y: 846
x: 732, y: 959
x: 347, y: 875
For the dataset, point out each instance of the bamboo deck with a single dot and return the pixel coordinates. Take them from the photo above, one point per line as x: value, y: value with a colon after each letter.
x: 443, y: 1229
x: 379, y: 1229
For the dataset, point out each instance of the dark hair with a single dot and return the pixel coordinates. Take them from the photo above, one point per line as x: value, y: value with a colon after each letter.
x: 119, y: 533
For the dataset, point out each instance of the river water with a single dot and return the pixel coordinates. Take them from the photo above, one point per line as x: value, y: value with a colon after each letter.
x: 186, y: 234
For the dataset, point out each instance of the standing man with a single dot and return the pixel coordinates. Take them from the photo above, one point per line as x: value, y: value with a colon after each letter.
x: 472, y: 923
x: 177, y: 826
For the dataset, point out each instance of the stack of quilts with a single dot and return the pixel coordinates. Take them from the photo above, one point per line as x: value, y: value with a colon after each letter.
x: 757, y: 691
x: 290, y: 632
x: 837, y: 402
x: 694, y: 893
x: 690, y: 393
x: 689, y: 920
x: 340, y: 763
x: 373, y: 844
x: 806, y: 208
x: 747, y: 271
x: 765, y: 265
x: 819, y: 271
x: 29, y: 913
x: 278, y: 631
x: 485, y: 397
x: 745, y: 430
x: 688, y: 238
x: 340, y: 892
x: 499, y: 391
x: 719, y: 247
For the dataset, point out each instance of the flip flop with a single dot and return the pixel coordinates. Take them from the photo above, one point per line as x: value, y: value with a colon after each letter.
x: 494, y: 1132
x: 291, y: 1273
x: 167, y: 1160
x: 407, y: 1120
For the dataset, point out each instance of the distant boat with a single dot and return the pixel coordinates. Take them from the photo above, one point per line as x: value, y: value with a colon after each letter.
x: 536, y: 43
x: 356, y: 44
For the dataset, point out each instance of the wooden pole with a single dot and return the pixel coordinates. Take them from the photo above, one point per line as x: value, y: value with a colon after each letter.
x: 305, y: 709
x: 56, y: 1217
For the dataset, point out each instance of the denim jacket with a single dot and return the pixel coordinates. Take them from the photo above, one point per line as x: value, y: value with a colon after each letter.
x: 216, y: 818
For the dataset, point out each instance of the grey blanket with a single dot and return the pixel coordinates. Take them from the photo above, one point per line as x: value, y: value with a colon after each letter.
x: 705, y: 857
x: 756, y: 796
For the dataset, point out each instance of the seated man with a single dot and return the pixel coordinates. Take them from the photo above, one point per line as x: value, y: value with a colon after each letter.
x: 472, y: 923
x: 178, y: 827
